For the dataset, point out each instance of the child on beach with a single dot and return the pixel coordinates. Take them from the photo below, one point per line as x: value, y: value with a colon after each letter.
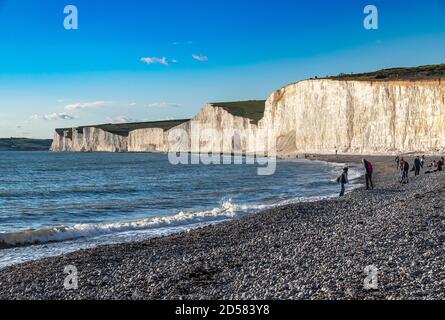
x: 343, y: 180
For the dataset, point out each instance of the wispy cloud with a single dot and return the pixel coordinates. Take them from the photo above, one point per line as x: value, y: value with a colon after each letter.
x: 121, y: 119
x: 154, y: 60
x: 176, y: 43
x: 86, y: 105
x: 200, y: 57
x: 53, y: 117
x: 159, y: 105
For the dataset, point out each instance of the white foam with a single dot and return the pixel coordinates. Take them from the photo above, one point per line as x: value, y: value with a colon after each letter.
x: 228, y: 210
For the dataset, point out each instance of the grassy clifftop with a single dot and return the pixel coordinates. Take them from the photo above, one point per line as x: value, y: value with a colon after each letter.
x: 415, y: 73
x: 251, y: 109
x: 123, y: 129
x: 24, y: 144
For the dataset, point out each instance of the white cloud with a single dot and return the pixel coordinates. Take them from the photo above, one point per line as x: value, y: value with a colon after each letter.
x: 154, y: 60
x: 121, y: 119
x: 53, y: 117
x: 85, y: 105
x: 159, y: 105
x: 182, y: 43
x: 200, y: 57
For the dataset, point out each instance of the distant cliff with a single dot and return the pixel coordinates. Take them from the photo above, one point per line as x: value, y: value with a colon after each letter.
x: 110, y: 137
x: 24, y: 144
x: 385, y: 112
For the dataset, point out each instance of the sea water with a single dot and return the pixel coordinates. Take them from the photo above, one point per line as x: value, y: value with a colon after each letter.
x: 55, y: 203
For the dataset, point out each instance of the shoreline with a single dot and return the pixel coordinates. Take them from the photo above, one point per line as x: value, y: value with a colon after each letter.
x: 312, y: 250
x: 51, y: 232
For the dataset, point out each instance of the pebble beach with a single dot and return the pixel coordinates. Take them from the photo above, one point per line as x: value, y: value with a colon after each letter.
x: 316, y: 250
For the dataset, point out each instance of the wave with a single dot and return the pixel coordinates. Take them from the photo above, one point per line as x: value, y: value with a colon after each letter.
x: 181, y: 220
x: 226, y: 211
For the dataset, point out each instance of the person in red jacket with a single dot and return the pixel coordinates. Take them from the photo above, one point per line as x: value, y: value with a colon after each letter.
x: 369, y: 170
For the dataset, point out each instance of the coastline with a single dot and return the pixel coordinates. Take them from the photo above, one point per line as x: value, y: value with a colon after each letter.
x: 315, y: 250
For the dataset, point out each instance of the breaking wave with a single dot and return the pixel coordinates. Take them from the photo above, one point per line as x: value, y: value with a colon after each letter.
x: 228, y: 210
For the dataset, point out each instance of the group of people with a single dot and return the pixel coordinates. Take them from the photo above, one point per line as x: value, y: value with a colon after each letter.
x: 343, y: 179
x: 401, y: 164
x: 419, y: 163
x: 436, y: 166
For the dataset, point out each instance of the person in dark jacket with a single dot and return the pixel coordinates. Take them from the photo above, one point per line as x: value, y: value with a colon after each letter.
x: 440, y: 164
x: 417, y: 166
x: 369, y: 170
x: 343, y: 180
x: 397, y: 161
x: 404, y: 166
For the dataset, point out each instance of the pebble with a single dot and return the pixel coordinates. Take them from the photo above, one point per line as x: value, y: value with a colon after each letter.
x: 315, y: 250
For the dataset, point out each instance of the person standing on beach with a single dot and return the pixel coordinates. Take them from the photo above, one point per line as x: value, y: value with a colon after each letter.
x: 422, y: 161
x: 404, y: 166
x: 397, y: 161
x: 343, y: 180
x: 417, y: 166
x: 369, y: 170
x: 440, y: 164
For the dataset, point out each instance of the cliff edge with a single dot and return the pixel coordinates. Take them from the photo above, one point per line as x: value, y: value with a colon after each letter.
x: 385, y: 112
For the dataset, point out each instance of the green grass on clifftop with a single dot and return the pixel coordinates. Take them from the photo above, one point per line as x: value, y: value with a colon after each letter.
x: 415, y: 73
x: 123, y: 129
x: 252, y: 109
x: 24, y: 144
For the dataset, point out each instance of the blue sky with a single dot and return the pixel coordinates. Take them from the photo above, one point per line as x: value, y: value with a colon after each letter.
x: 214, y: 51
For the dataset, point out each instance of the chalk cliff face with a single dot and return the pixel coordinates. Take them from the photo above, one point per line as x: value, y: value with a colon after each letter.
x: 214, y: 130
x: 147, y: 140
x: 313, y: 116
x: 89, y: 139
x: 363, y: 117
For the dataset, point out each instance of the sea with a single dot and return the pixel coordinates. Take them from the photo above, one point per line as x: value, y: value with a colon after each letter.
x: 56, y: 203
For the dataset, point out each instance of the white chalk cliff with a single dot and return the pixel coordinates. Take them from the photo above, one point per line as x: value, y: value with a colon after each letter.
x: 312, y: 116
x: 89, y: 139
